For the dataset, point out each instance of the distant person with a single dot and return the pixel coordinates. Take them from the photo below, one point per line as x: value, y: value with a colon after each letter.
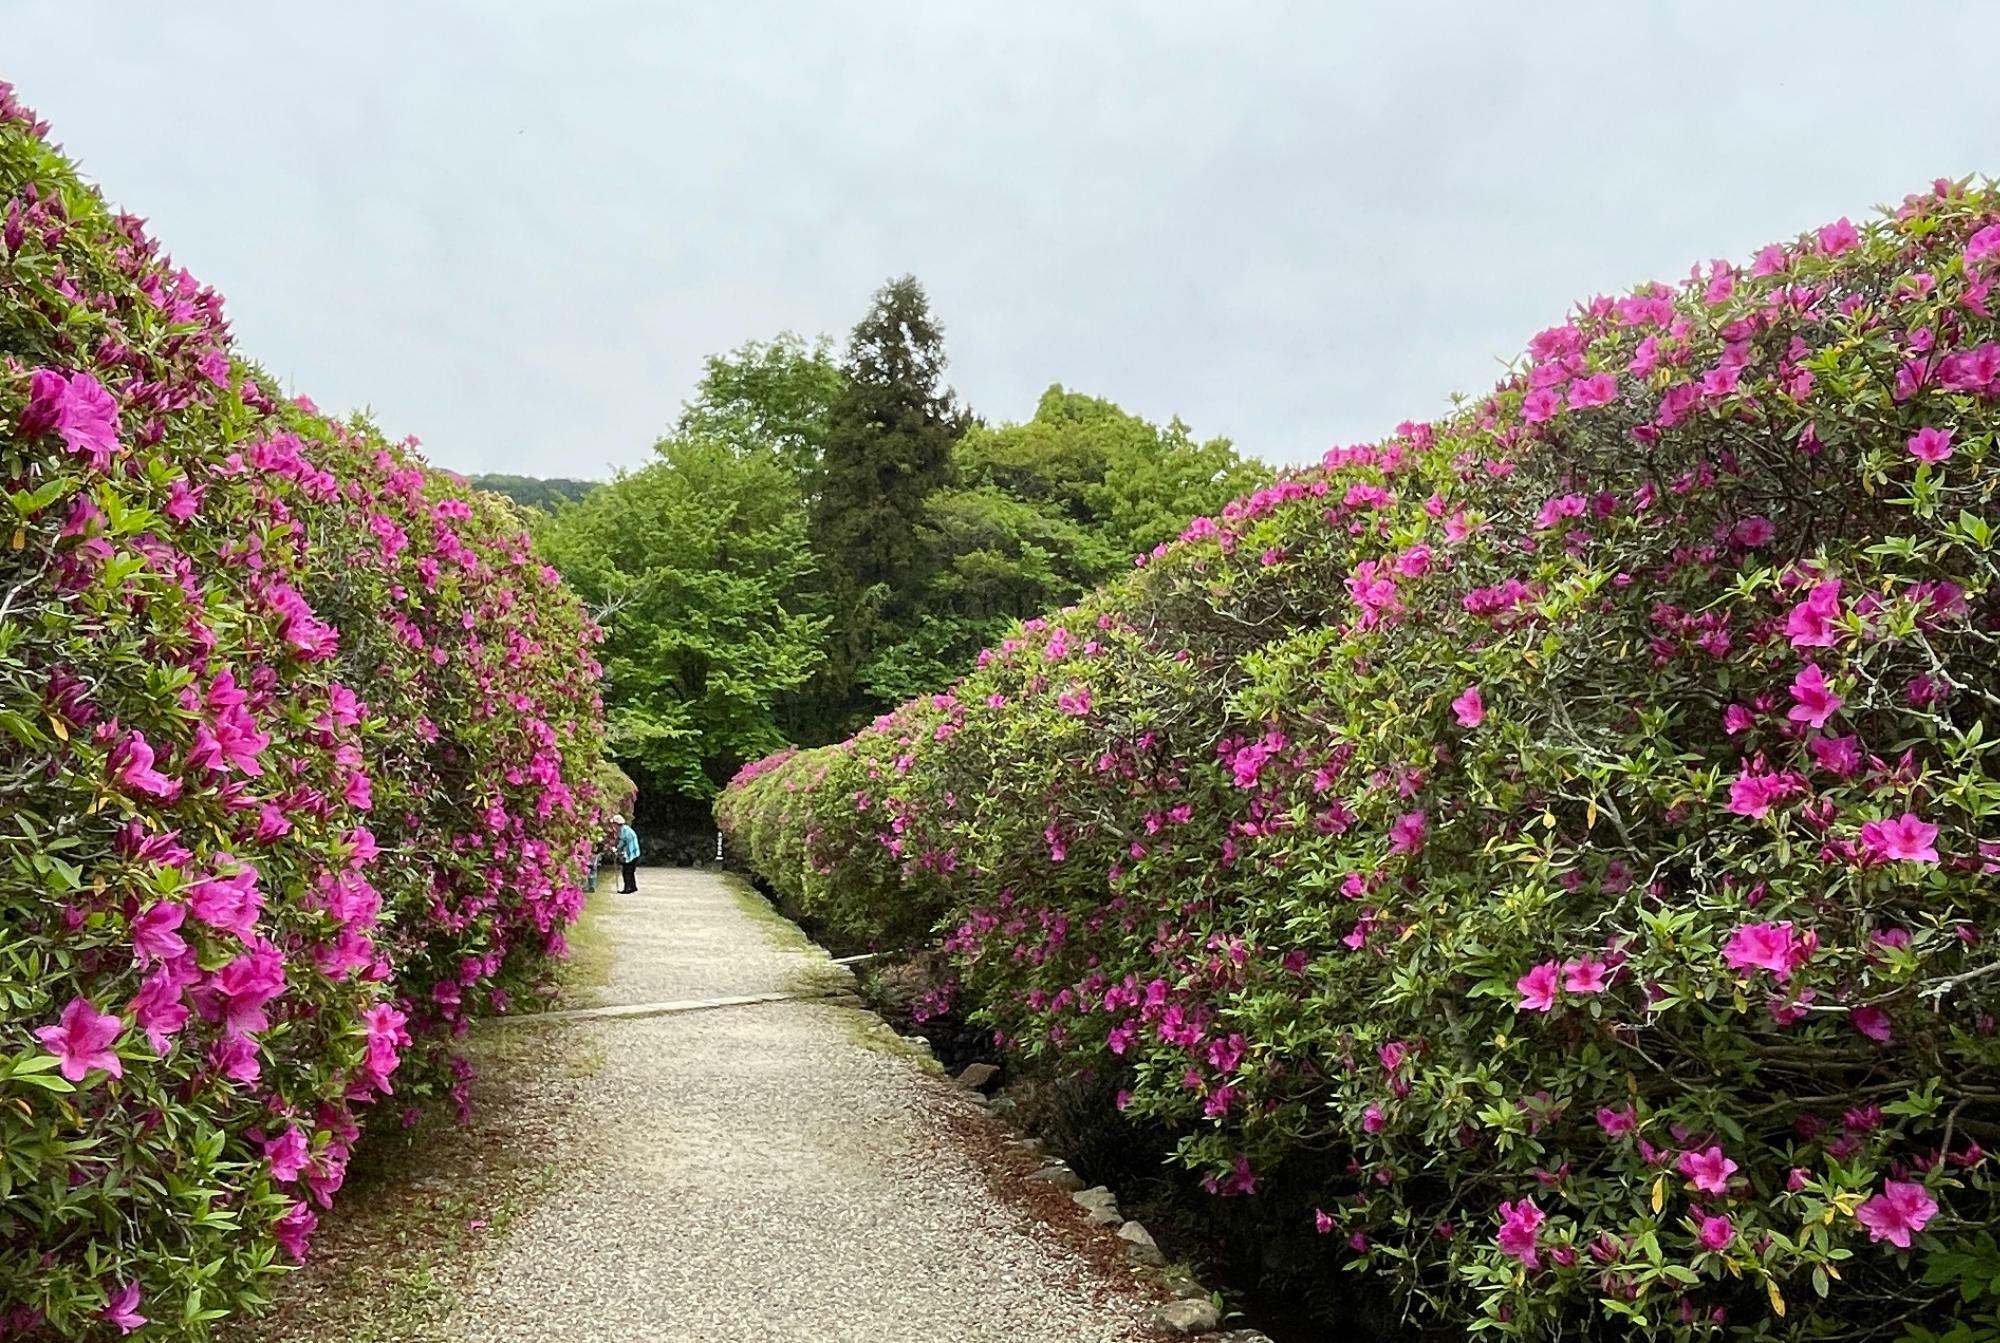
x: 628, y: 856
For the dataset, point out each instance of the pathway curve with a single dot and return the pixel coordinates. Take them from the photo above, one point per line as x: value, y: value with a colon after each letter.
x: 770, y: 1172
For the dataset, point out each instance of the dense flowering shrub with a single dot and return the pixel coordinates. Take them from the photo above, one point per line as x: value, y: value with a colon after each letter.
x: 1564, y: 836
x: 292, y: 739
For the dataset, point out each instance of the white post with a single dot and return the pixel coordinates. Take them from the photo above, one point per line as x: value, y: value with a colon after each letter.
x: 718, y: 846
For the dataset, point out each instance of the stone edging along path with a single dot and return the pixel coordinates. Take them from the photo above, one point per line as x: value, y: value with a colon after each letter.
x: 756, y: 1159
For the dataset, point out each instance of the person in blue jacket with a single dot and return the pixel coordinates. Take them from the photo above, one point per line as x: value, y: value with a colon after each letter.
x: 628, y: 856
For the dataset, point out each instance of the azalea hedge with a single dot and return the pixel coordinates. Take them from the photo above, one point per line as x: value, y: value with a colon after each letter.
x: 1553, y: 850
x: 294, y: 741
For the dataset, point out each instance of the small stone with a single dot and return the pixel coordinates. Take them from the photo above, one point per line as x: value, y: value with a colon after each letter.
x: 1099, y: 1204
x: 1061, y: 1176
x: 1196, y: 1316
x: 978, y: 1076
x: 1141, y: 1248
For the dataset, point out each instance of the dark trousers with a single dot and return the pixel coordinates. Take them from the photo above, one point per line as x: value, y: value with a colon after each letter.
x: 631, y: 873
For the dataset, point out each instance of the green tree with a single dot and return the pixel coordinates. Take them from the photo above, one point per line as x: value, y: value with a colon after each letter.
x: 699, y: 569
x: 1131, y: 484
x: 887, y: 450
x: 1039, y: 513
x: 772, y: 397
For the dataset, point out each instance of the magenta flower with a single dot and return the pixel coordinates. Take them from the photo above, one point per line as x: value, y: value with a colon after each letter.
x: 1619, y: 1122
x: 1321, y: 1222
x: 1901, y: 1209
x: 1406, y: 833
x: 1598, y: 390
x: 1709, y: 1170
x: 1907, y: 839
x: 158, y: 1009
x: 228, y: 904
x: 1874, y: 1023
x: 1538, y: 988
x: 1930, y: 445
x: 1768, y: 946
x: 1520, y: 1231
x: 1811, y: 623
x: 131, y: 766
x: 1715, y: 1233
x: 78, y: 408
x: 294, y: 1229
x: 288, y: 1154
x: 1541, y: 404
x: 82, y: 1039
x: 1815, y: 700
x: 1470, y: 707
x: 1838, y: 237
x: 1982, y: 245
x: 153, y: 932
x: 1586, y: 974
x: 122, y: 1310
x: 1838, y: 755
x: 1752, y: 794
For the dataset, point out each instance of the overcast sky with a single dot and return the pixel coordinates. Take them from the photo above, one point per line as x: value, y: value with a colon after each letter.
x: 515, y: 227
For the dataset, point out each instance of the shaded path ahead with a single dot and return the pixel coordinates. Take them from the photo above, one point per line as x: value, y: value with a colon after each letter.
x: 769, y: 1172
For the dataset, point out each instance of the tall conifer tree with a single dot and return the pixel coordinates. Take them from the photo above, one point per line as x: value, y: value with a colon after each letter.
x: 887, y: 449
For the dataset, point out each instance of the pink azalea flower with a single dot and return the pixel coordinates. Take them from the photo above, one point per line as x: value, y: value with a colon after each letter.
x: 82, y: 1039
x: 1838, y: 755
x: 1811, y: 622
x: 294, y: 1229
x: 1816, y: 701
x: 77, y: 408
x: 1519, y: 1231
x: 131, y: 767
x: 1901, y: 1209
x: 1541, y: 404
x: 1321, y: 1222
x: 288, y: 1154
x: 1838, y: 237
x: 1930, y: 445
x: 1908, y: 838
x: 158, y: 1009
x: 1768, y: 946
x: 1983, y: 244
x: 122, y: 1310
x: 1587, y: 974
x: 1598, y: 390
x: 1715, y: 1233
x: 1538, y: 988
x: 153, y: 932
x: 1406, y: 833
x: 1708, y: 1169
x: 1873, y: 1022
x: 1619, y: 1122
x: 1737, y: 719
x: 1470, y: 707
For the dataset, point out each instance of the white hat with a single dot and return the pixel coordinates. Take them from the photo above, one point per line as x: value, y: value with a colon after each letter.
x: 617, y: 819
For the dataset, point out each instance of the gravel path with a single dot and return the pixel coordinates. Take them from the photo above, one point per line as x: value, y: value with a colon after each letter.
x: 771, y: 1172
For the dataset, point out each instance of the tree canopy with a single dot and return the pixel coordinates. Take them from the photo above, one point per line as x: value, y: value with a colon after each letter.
x: 821, y: 539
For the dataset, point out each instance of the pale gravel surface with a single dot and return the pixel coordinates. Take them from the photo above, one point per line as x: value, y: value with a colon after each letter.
x: 768, y: 1173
